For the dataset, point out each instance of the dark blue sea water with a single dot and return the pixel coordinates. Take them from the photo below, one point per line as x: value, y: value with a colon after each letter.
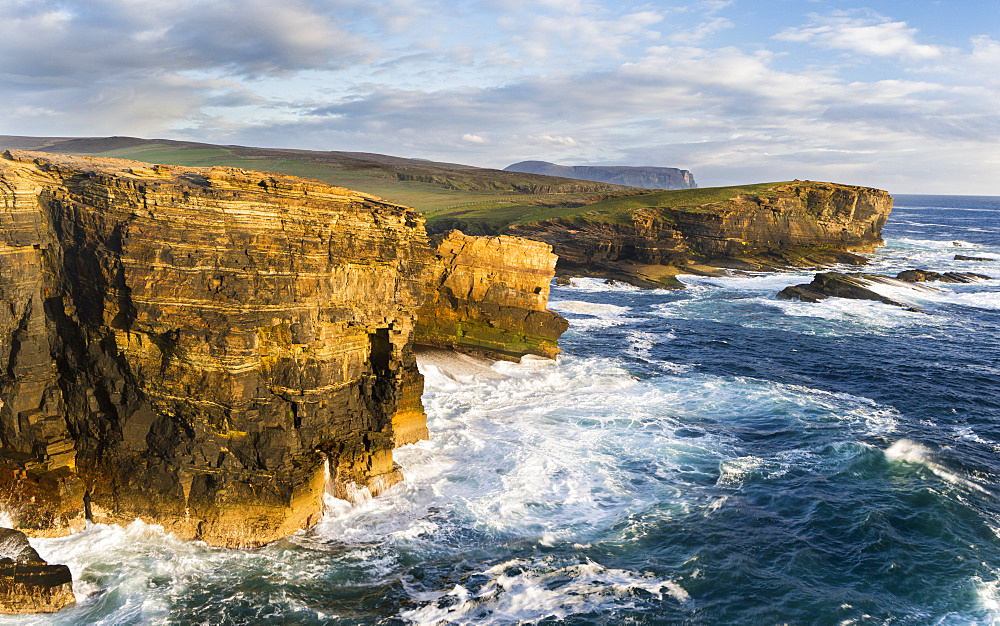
x: 705, y: 456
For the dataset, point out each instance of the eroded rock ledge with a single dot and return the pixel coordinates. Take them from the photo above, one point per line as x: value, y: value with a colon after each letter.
x: 27, y: 583
x: 208, y: 349
x: 798, y: 224
x: 488, y: 297
x: 859, y: 285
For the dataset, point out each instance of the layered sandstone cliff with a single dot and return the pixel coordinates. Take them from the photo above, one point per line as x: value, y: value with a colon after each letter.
x: 211, y: 349
x: 197, y: 347
x: 797, y: 224
x: 488, y: 296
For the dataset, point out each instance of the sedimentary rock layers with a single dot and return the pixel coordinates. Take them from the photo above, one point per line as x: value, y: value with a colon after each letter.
x: 488, y: 296
x: 798, y: 215
x: 802, y: 223
x: 190, y: 346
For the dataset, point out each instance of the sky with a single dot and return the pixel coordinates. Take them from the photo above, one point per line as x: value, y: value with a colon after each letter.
x: 901, y: 95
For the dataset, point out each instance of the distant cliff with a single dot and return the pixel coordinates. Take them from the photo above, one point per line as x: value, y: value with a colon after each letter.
x: 644, y: 177
x: 211, y: 349
x: 800, y: 223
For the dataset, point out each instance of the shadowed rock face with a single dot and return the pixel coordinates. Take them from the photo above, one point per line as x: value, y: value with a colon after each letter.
x: 27, y: 583
x: 190, y: 346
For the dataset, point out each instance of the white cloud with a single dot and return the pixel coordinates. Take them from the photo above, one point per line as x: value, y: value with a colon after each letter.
x: 470, y: 138
x: 867, y: 35
x: 702, y: 32
x: 555, y: 140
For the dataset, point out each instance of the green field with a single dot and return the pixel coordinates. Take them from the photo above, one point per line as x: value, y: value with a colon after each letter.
x: 477, y: 200
x: 448, y: 194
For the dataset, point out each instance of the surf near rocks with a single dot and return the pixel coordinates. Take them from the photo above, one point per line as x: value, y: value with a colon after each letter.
x: 860, y: 286
x: 207, y: 349
x: 27, y: 583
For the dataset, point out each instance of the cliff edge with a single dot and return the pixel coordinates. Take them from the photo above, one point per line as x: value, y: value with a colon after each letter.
x: 643, y: 177
x: 648, y: 240
x: 208, y: 349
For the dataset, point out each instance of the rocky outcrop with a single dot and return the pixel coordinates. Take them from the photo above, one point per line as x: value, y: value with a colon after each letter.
x: 488, y: 297
x: 212, y: 349
x: 924, y: 276
x: 644, y: 177
x: 827, y: 284
x: 797, y: 224
x: 858, y: 286
x: 27, y: 583
x: 197, y: 347
x: 962, y: 257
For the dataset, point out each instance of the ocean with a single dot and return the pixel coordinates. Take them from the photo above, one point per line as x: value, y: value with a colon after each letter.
x: 711, y: 455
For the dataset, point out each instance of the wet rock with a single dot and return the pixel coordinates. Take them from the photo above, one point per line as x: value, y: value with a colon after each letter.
x: 924, y: 276
x: 827, y: 284
x: 962, y: 257
x: 27, y: 583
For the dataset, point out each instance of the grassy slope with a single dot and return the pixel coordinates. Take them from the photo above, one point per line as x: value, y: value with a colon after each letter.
x: 435, y: 189
x: 474, y: 199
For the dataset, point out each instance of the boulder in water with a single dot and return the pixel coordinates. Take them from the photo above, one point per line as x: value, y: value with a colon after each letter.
x: 924, y: 276
x: 826, y: 284
x: 27, y: 583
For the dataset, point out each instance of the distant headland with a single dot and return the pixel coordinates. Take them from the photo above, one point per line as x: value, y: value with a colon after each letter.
x: 646, y: 177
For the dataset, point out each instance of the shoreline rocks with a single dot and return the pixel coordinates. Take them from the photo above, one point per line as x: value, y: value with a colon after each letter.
x: 857, y: 286
x: 27, y: 583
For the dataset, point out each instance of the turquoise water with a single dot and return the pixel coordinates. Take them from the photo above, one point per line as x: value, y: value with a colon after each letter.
x: 711, y: 455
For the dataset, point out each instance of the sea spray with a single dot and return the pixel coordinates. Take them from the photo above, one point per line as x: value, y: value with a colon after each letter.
x: 707, y: 455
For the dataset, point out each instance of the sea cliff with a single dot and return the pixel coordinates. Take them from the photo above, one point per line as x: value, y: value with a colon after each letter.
x: 800, y: 223
x: 208, y: 349
x: 643, y: 177
x: 488, y: 295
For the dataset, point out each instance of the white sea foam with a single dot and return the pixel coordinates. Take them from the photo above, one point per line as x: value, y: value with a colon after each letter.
x: 583, y: 315
x: 597, y: 285
x: 913, y: 452
x: 521, y: 591
x: 849, y: 316
x: 949, y: 244
x: 988, y: 593
x: 765, y: 282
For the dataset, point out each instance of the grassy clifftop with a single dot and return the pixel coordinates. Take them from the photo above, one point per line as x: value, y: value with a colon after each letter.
x: 442, y: 191
x: 476, y: 200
